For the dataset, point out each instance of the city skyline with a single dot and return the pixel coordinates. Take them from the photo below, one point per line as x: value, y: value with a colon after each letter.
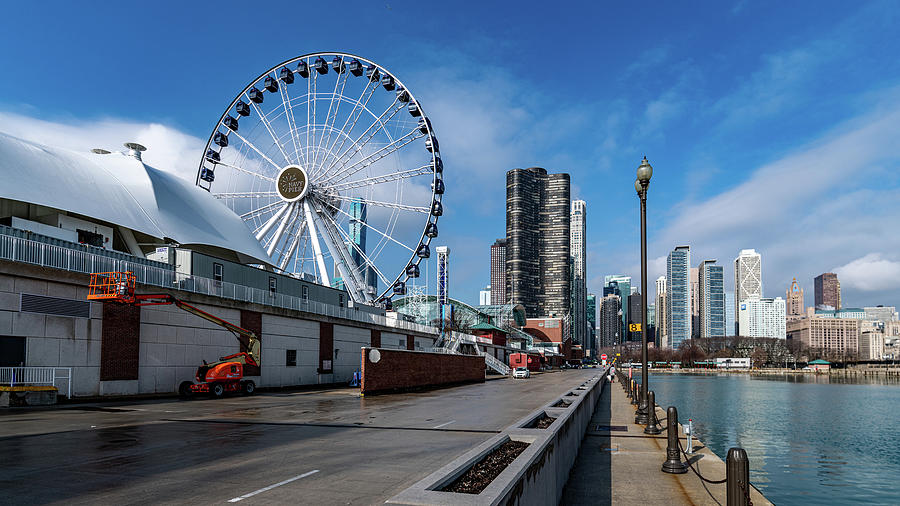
x: 764, y: 135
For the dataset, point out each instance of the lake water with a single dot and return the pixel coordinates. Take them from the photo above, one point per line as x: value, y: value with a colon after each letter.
x: 810, y: 439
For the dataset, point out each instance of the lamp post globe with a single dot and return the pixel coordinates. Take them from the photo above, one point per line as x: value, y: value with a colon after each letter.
x: 644, y: 171
x: 638, y: 187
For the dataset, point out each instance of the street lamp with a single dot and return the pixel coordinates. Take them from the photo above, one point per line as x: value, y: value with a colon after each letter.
x: 644, y: 173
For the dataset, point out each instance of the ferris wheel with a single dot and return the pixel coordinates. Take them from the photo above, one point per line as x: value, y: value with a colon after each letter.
x: 333, y: 165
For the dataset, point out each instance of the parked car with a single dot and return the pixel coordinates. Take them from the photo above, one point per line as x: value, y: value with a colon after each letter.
x: 521, y: 372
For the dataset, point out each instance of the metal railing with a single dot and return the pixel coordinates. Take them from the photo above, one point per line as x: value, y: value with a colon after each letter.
x: 493, y: 363
x: 37, y: 376
x: 76, y: 260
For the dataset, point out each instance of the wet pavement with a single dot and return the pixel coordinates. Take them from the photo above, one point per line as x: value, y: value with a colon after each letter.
x: 314, y: 447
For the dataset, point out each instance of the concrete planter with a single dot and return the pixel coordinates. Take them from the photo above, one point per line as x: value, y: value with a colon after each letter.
x: 537, y: 476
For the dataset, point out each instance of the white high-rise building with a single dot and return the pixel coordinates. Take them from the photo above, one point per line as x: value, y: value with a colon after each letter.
x: 484, y: 296
x: 747, y: 282
x: 661, y: 322
x: 578, y: 251
x: 762, y: 318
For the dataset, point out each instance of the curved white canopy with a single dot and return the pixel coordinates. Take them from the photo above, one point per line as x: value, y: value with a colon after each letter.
x: 121, y: 189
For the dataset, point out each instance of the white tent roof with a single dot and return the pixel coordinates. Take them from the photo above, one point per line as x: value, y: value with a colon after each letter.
x: 120, y: 189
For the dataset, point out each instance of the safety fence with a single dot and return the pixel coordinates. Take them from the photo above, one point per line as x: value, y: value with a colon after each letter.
x: 37, y: 376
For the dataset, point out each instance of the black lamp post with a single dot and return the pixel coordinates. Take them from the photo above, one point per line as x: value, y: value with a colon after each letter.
x: 644, y: 173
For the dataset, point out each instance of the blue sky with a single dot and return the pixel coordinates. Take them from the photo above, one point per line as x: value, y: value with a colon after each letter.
x: 770, y: 125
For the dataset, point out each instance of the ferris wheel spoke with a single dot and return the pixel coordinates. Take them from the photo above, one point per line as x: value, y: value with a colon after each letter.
x: 256, y: 212
x: 293, y: 249
x: 373, y: 157
x: 279, y: 232
x: 317, y: 248
x: 393, y: 109
x: 343, y: 261
x: 358, y: 108
x: 259, y: 152
x: 309, y: 98
x: 373, y: 228
x: 294, y: 234
x: 244, y: 195
x: 386, y: 178
x: 367, y: 261
x: 292, y: 123
x: 330, y: 116
x: 392, y: 205
x: 265, y: 121
x: 263, y: 229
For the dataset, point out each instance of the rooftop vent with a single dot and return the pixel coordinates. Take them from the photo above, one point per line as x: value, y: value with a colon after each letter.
x: 135, y: 149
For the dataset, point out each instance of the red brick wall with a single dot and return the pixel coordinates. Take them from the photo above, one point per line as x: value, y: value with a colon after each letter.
x: 252, y: 321
x: 120, y: 343
x: 399, y: 370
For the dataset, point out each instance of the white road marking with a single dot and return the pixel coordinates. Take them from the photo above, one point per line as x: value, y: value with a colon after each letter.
x: 270, y: 487
x: 443, y: 424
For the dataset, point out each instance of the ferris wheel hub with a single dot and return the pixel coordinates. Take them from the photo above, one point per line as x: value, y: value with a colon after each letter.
x: 292, y: 183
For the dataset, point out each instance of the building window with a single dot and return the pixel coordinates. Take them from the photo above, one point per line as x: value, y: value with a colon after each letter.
x: 290, y: 358
x: 341, y: 300
x: 304, y: 293
x: 218, y: 272
x: 273, y: 285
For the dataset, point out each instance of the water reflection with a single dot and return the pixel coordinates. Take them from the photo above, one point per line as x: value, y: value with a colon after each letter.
x: 811, y: 438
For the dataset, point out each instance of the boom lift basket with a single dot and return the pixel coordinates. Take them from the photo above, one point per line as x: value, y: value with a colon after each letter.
x: 112, y: 287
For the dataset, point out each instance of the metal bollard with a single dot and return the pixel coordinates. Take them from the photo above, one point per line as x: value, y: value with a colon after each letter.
x: 653, y: 424
x: 673, y: 463
x: 737, y: 474
x: 634, y: 393
x: 629, y: 389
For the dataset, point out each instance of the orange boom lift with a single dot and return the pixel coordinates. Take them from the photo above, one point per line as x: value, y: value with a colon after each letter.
x: 216, y: 378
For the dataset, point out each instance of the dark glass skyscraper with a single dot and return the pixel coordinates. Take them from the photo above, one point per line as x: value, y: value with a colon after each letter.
x: 711, y: 299
x: 610, y: 320
x: 678, y: 291
x: 498, y: 272
x: 537, y: 242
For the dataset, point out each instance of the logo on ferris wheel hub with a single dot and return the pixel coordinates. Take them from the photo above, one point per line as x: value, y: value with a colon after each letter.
x: 292, y: 183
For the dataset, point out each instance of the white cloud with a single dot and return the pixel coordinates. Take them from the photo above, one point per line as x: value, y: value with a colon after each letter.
x: 870, y: 273
x: 168, y: 149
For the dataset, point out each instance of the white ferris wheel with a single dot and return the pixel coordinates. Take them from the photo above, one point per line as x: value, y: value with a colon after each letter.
x: 333, y: 165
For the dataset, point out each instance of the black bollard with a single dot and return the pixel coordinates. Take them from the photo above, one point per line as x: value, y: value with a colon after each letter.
x: 634, y: 392
x: 673, y: 463
x: 630, y: 389
x: 737, y: 474
x: 653, y: 425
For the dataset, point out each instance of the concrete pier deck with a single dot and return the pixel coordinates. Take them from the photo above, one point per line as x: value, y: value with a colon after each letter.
x: 619, y: 464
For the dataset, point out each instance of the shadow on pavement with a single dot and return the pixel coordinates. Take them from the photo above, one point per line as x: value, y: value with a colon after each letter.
x: 590, y: 481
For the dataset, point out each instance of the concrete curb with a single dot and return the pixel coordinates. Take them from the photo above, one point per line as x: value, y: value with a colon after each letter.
x: 537, y: 475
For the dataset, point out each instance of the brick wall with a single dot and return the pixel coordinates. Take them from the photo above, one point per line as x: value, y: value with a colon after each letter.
x: 398, y: 370
x: 120, y: 342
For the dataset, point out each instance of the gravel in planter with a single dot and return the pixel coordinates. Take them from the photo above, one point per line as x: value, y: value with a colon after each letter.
x: 561, y: 404
x: 479, y: 476
x: 541, y: 422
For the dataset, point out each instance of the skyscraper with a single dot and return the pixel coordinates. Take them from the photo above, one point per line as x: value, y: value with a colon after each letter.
x: 661, y: 321
x: 711, y: 299
x: 695, y: 302
x: 357, y: 234
x: 579, y: 267
x: 678, y: 289
x: 619, y: 285
x: 747, y: 280
x: 484, y: 296
x: 794, y: 309
x: 610, y: 321
x: 634, y: 316
x: 762, y: 318
x: 498, y: 272
x: 592, y: 321
x: 729, y: 313
x: 828, y: 290
x: 537, y: 241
